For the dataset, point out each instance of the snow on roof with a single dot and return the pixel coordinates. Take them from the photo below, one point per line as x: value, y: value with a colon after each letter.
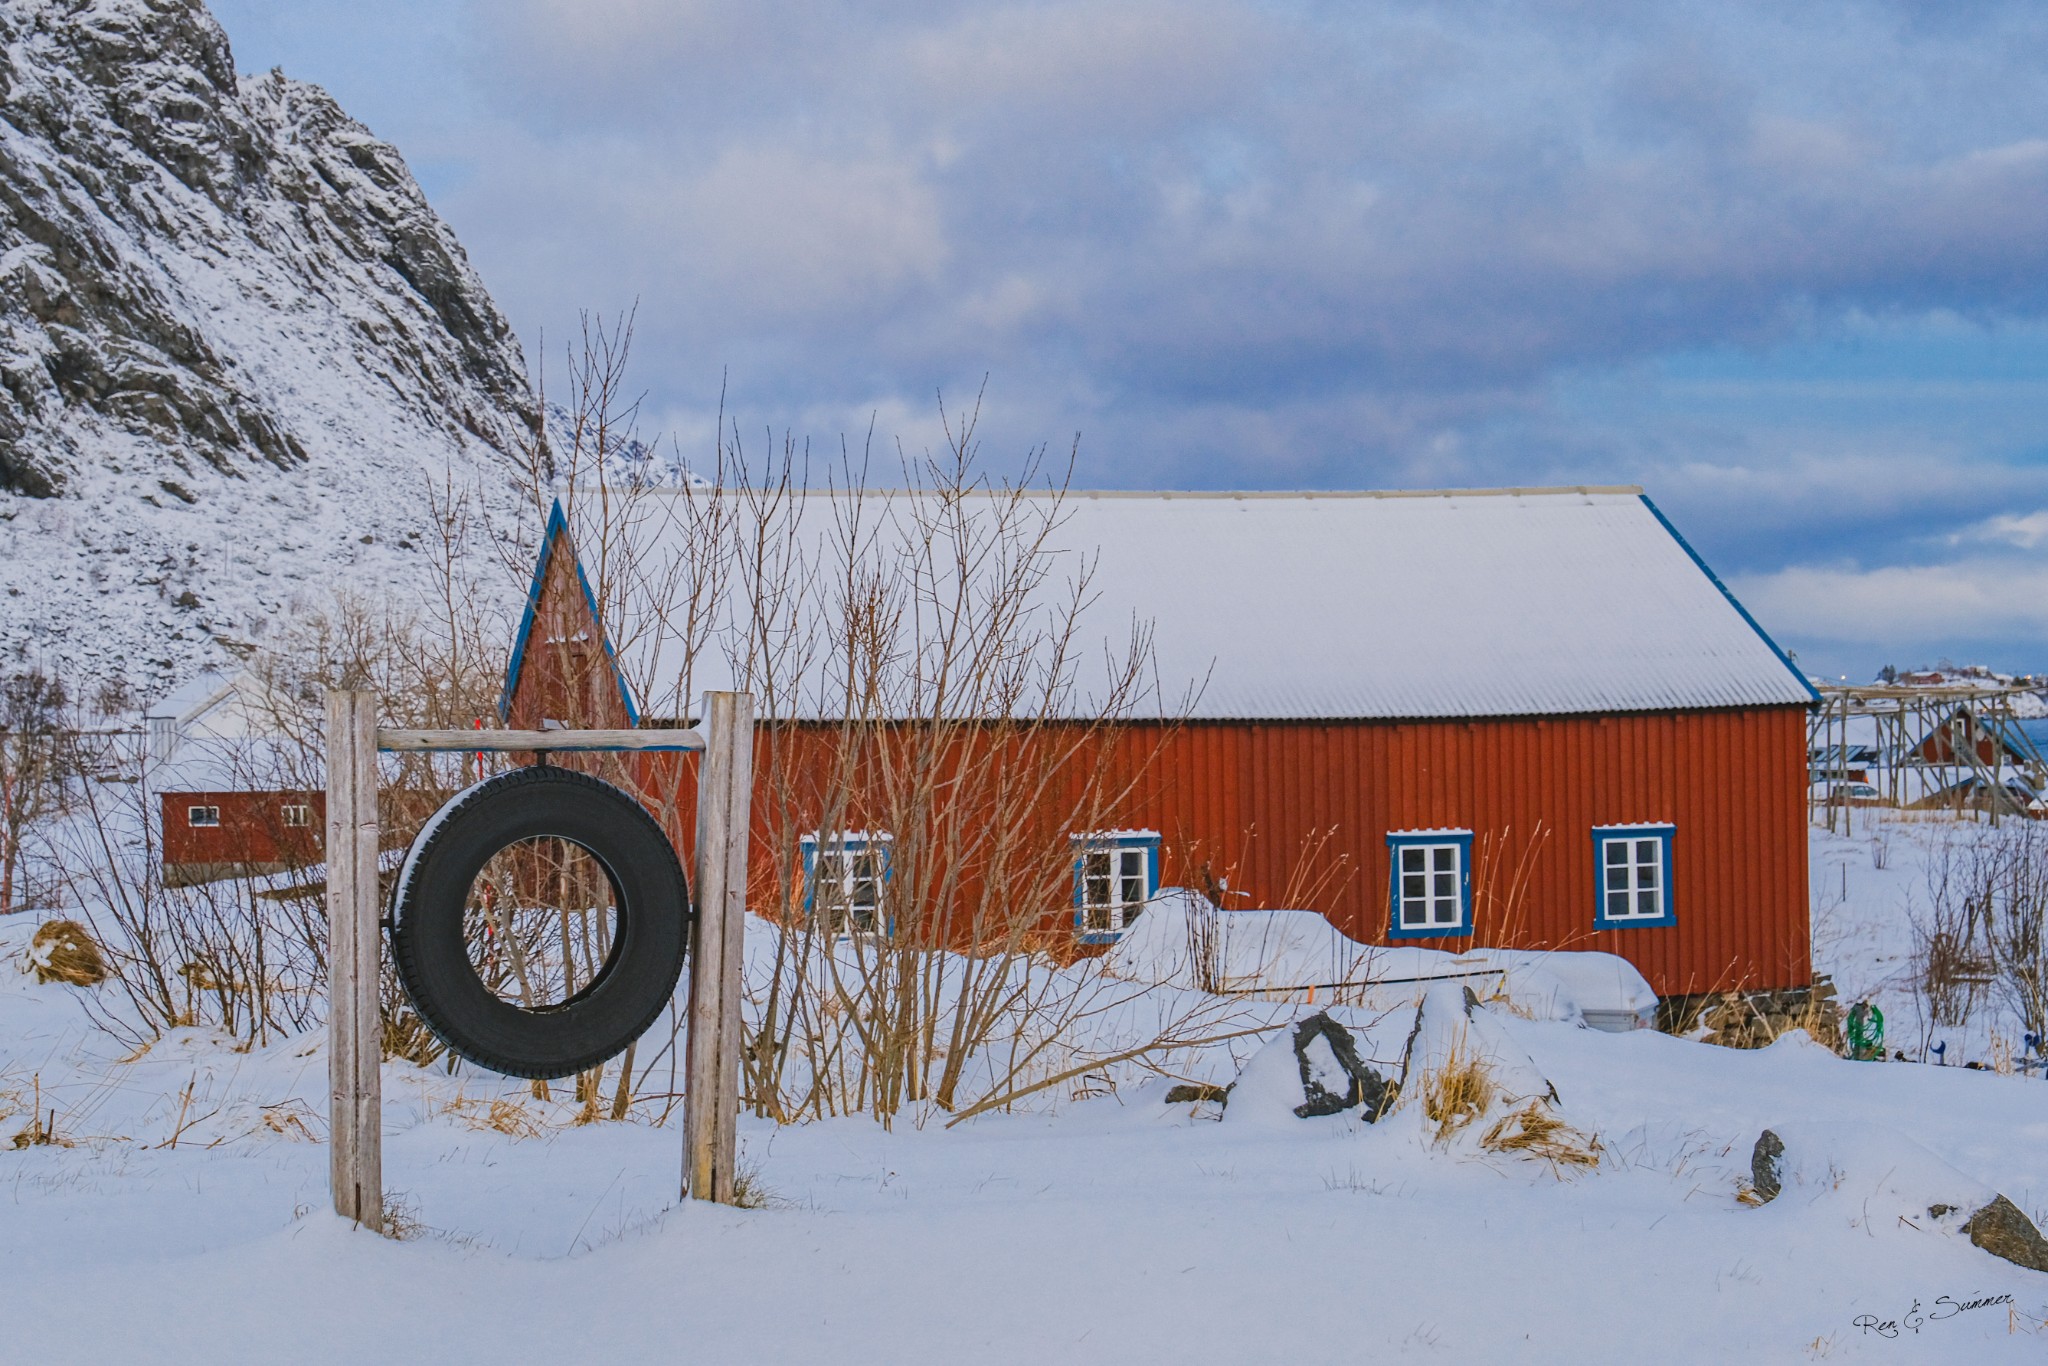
x: 1287, y: 606
x: 191, y: 698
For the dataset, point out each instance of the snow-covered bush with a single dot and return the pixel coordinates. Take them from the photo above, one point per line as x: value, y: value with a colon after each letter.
x: 1982, y: 928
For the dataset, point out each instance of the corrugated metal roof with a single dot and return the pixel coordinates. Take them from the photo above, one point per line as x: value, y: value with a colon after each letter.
x: 1320, y: 606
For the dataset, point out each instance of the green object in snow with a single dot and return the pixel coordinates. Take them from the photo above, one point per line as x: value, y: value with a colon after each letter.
x: 1866, y: 1032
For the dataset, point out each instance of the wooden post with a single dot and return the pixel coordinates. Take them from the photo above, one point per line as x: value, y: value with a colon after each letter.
x: 711, y: 1101
x: 354, y: 1037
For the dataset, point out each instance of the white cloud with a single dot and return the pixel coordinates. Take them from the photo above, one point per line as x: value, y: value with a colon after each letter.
x: 1237, y: 242
x: 773, y: 229
x: 2028, y: 531
x: 1972, y: 600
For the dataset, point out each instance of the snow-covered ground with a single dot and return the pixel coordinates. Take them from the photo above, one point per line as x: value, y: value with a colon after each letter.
x: 188, y: 1220
x: 1870, y: 887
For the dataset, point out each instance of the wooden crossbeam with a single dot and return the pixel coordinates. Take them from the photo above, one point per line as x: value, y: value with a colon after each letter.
x: 553, y: 741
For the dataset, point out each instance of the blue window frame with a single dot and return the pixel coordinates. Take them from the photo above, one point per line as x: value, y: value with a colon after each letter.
x: 846, y: 882
x: 1632, y: 876
x: 1115, y: 873
x: 1429, y: 890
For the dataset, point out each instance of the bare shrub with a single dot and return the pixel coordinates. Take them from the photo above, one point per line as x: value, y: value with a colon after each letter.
x: 1950, y: 966
x: 242, y: 947
x: 936, y: 741
x: 218, y: 954
x: 36, y: 764
x: 2015, y: 892
x: 1982, y: 930
x: 1881, y: 830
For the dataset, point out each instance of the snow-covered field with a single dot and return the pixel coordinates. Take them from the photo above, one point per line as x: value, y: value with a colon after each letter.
x: 1870, y: 885
x: 187, y: 1221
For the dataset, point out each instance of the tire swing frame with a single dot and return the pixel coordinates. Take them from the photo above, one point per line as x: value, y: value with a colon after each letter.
x: 715, y: 931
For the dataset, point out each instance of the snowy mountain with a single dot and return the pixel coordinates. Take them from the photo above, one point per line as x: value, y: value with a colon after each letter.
x: 236, y: 345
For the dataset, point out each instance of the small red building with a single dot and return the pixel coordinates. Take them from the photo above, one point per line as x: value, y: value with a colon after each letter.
x: 232, y: 799
x: 1406, y: 689
x: 210, y: 835
x: 1964, y: 731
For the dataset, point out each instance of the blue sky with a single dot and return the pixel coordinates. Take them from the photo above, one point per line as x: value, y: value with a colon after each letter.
x: 1785, y: 266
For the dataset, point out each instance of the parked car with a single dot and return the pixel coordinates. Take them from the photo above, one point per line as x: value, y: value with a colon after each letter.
x: 1977, y: 794
x: 1847, y: 794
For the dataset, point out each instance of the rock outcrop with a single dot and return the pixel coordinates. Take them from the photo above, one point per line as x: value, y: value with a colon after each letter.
x: 236, y: 343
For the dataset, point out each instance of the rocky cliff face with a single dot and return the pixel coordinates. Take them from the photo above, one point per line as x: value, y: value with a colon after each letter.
x: 236, y: 345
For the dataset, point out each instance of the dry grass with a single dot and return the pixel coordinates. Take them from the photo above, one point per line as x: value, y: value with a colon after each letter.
x: 63, y: 951
x: 41, y: 1133
x: 402, y: 1218
x: 1456, y: 1094
x: 1752, y: 1020
x: 507, y: 1117
x: 42, y: 1125
x: 748, y: 1191
x: 1534, y: 1131
x: 289, y: 1119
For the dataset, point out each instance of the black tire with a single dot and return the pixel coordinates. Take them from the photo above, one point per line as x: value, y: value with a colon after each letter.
x: 628, y: 993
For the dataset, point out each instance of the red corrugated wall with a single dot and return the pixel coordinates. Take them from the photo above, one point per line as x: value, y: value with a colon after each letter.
x: 1252, y: 799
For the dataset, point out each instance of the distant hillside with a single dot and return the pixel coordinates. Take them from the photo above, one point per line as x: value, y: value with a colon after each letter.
x: 235, y: 344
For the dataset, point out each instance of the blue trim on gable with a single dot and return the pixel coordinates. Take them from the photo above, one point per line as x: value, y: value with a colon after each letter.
x: 556, y: 523
x: 1149, y: 843
x: 558, y: 526
x: 1603, y: 833
x: 1812, y: 693
x: 1395, y: 844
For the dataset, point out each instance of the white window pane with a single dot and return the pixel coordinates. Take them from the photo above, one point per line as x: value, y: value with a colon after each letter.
x: 1617, y: 905
x: 1646, y: 903
x: 1414, y: 859
x: 1414, y: 886
x: 1646, y: 851
x: 1617, y: 851
x: 1134, y: 881
x: 1446, y: 885
x: 1445, y: 857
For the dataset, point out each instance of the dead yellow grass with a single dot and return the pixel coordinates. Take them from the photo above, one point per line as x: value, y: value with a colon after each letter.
x: 1535, y: 1131
x: 507, y: 1117
x: 42, y: 1125
x: 1456, y: 1094
x: 62, y: 951
x: 289, y: 1119
x: 39, y: 1135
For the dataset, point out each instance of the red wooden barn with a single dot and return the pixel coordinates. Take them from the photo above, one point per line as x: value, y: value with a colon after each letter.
x: 221, y: 832
x: 217, y: 776
x: 1405, y: 685
x: 1948, y: 745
